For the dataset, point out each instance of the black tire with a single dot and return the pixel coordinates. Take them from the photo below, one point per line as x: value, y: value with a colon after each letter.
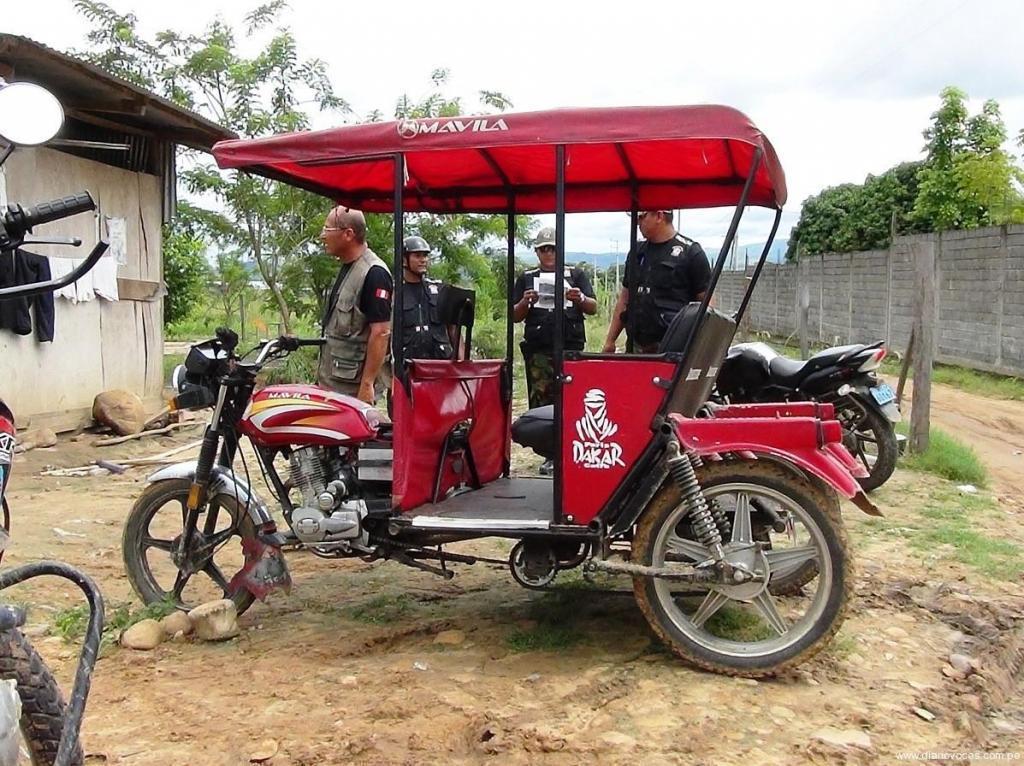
x: 873, y: 422
x: 42, y: 704
x: 823, y: 510
x: 133, y: 547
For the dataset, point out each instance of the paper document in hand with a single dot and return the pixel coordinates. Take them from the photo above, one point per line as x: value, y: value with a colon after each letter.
x: 544, y: 284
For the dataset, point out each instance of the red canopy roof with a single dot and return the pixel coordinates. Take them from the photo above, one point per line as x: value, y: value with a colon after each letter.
x: 674, y: 156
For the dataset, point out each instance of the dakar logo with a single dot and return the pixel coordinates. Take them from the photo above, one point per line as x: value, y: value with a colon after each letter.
x: 6, y: 447
x: 594, y: 429
x: 413, y: 128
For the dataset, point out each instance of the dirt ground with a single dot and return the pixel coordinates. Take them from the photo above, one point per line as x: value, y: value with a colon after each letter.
x: 379, y: 664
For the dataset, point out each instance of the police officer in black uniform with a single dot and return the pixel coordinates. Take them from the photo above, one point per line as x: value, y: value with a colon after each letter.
x: 539, y: 314
x: 423, y: 335
x: 663, y: 274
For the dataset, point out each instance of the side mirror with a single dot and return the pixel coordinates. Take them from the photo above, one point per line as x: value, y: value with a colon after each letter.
x: 29, y: 114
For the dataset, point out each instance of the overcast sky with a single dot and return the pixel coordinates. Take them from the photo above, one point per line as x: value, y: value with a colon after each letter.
x: 841, y: 90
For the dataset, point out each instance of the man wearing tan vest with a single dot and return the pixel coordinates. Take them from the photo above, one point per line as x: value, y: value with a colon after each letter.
x: 357, y: 318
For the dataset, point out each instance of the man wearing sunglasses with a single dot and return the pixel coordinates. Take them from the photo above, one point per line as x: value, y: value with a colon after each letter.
x: 664, y: 273
x: 533, y: 299
x: 357, y: 318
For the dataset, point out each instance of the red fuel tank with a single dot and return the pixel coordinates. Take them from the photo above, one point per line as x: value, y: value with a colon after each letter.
x: 307, y: 415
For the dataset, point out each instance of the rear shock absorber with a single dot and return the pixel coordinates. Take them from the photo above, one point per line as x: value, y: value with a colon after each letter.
x: 721, y: 521
x: 680, y: 467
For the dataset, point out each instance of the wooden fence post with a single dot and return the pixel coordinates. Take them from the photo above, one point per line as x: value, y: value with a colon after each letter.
x: 926, y: 288
x: 803, y: 304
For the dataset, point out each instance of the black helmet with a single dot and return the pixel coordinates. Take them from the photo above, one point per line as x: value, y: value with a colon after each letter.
x: 415, y: 245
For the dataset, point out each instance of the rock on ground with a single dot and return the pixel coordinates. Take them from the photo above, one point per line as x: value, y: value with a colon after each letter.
x: 176, y: 622
x: 216, y: 620
x: 120, y: 410
x: 843, y: 738
x: 144, y: 635
x: 37, y: 437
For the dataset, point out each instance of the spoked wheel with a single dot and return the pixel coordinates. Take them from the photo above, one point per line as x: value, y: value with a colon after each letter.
x: 871, y: 439
x: 151, y: 544
x: 744, y: 629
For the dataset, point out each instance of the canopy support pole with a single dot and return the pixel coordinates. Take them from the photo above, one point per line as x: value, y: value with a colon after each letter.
x: 399, y: 274
x: 559, y: 345
x: 510, y: 265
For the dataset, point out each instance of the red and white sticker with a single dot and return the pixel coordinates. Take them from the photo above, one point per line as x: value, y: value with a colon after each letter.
x: 381, y: 293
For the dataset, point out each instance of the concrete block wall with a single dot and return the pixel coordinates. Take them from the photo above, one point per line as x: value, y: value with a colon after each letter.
x: 868, y: 296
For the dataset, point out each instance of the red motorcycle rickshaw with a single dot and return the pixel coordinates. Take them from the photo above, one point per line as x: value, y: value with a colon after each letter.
x: 708, y: 508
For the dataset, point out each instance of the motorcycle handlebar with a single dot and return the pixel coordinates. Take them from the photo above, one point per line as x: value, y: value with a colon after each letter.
x: 17, y: 221
x: 285, y: 343
x: 54, y: 210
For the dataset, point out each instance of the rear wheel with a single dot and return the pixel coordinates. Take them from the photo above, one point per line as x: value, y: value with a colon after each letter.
x: 151, y: 537
x: 746, y: 629
x: 42, y: 705
x: 871, y: 438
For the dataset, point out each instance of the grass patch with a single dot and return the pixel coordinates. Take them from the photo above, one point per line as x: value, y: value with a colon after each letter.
x: 543, y: 638
x: 382, y: 610
x: 948, y: 458
x: 842, y: 646
x: 555, y: 613
x: 170, y: 362
x: 70, y: 623
x: 953, y: 525
x: 961, y: 527
x: 981, y: 383
x: 738, y: 624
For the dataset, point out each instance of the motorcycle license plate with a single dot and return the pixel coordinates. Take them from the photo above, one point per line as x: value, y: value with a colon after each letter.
x: 883, y: 394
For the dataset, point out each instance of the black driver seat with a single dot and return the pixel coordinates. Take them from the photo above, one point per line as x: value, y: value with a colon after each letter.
x: 535, y: 429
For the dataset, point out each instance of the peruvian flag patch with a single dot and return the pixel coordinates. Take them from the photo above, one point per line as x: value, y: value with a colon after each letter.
x: 381, y: 293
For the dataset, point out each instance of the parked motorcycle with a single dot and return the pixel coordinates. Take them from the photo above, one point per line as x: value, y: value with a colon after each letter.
x: 29, y: 115
x: 844, y: 376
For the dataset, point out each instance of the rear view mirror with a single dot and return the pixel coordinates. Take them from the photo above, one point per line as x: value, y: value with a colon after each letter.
x: 29, y: 114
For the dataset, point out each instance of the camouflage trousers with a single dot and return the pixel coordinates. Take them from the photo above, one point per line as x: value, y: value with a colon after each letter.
x: 540, y: 378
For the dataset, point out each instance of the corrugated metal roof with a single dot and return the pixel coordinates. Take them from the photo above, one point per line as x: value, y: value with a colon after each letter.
x: 92, y: 95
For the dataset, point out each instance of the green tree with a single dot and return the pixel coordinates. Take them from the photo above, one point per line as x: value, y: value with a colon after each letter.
x: 968, y: 179
x: 257, y: 96
x: 231, y: 278
x: 853, y: 217
x: 185, y: 272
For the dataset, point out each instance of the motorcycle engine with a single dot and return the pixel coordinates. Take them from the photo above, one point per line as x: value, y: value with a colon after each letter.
x: 327, y: 513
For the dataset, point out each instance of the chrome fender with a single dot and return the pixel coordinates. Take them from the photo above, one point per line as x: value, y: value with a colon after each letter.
x: 222, y: 482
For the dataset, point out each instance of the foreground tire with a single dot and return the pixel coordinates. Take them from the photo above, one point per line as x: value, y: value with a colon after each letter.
x: 872, y: 441
x: 744, y: 630
x: 42, y: 705
x: 154, y: 525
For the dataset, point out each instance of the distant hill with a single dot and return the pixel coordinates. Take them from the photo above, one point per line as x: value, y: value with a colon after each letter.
x: 744, y: 252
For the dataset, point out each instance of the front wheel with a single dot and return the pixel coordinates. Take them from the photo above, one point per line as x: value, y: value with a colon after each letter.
x: 42, y: 705
x: 151, y: 539
x: 745, y: 629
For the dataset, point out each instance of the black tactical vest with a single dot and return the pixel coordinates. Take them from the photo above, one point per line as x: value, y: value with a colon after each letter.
x: 423, y: 334
x: 658, y: 293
